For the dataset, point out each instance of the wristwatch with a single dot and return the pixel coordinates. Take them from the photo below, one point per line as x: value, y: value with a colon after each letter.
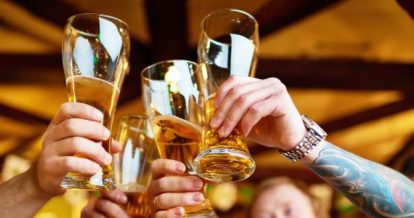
x: 315, y: 136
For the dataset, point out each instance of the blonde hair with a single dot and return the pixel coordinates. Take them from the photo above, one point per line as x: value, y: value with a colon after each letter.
x: 319, y: 210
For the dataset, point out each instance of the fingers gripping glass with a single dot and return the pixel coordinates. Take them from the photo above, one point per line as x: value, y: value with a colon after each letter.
x: 95, y: 56
x: 228, y: 45
x: 173, y: 99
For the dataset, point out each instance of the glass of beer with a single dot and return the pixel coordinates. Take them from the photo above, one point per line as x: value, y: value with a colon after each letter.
x: 173, y: 100
x: 228, y: 45
x: 95, y: 56
x: 132, y: 165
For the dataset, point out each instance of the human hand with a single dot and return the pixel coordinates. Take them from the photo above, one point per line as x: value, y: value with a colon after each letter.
x: 76, y: 129
x: 262, y: 108
x: 170, y: 189
x: 106, y: 206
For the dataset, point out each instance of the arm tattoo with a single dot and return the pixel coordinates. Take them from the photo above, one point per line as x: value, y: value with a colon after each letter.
x: 378, y: 190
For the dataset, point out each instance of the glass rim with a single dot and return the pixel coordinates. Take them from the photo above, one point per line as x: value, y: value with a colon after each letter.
x: 221, y: 10
x: 123, y: 121
x: 124, y: 118
x: 164, y: 62
x: 73, y: 17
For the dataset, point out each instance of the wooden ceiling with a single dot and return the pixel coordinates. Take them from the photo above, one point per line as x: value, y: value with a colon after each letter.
x: 349, y: 65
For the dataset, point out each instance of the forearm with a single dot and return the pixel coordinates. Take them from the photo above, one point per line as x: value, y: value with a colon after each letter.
x: 21, y: 196
x: 378, y: 190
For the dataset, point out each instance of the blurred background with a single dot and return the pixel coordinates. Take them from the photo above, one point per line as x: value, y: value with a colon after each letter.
x: 348, y: 64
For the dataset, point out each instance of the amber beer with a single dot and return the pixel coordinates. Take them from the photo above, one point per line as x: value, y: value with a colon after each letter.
x: 103, y: 96
x: 137, y: 203
x: 179, y: 140
x: 223, y: 166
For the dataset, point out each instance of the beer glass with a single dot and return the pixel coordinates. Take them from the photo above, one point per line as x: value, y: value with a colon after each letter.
x: 132, y: 165
x: 174, y: 102
x: 228, y: 45
x: 95, y: 60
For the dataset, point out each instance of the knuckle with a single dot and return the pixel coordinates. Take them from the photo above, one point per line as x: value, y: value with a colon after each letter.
x: 254, y: 111
x: 70, y: 125
x: 65, y: 108
x: 229, y: 119
x: 162, y: 201
x: 76, y: 143
x: 232, y: 78
x: 242, y: 100
x: 182, y: 184
x: 282, y: 88
x: 234, y: 92
x: 274, y: 81
x: 67, y: 163
x: 101, y: 204
x: 163, y: 184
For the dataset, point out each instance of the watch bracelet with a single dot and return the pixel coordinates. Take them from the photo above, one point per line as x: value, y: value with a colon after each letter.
x: 311, y: 140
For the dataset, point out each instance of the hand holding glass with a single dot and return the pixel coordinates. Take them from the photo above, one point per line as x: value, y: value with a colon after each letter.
x: 95, y: 59
x: 174, y: 101
x: 227, y: 46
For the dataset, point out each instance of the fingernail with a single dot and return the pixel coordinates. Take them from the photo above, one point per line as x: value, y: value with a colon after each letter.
x: 222, y: 133
x: 98, y: 115
x: 180, y: 168
x: 123, y: 198
x: 179, y: 211
x: 198, y: 197
x: 197, y: 184
x: 108, y: 158
x: 214, y: 123
x: 96, y: 168
x: 107, y: 133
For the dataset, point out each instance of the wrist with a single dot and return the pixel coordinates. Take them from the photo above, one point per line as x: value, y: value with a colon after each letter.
x: 314, y: 138
x: 296, y: 133
x: 32, y: 186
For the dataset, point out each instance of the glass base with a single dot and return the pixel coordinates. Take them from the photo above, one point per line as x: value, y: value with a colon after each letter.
x: 73, y: 181
x: 224, y: 165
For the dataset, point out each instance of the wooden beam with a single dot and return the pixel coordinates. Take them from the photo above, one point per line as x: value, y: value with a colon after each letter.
x: 368, y: 115
x: 406, y: 149
x: 347, y: 74
x: 408, y: 6
x: 168, y: 28
x: 276, y: 15
x: 22, y: 116
x: 58, y: 12
x: 31, y: 68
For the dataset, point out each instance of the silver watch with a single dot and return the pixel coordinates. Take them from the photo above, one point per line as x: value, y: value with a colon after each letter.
x: 313, y: 138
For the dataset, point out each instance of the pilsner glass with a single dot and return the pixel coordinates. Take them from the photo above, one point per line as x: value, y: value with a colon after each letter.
x: 132, y: 165
x: 228, y: 45
x: 95, y: 59
x: 172, y: 98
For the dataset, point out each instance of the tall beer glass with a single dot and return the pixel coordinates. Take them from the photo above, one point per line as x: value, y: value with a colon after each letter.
x: 132, y: 166
x: 95, y: 59
x: 174, y: 102
x: 228, y: 45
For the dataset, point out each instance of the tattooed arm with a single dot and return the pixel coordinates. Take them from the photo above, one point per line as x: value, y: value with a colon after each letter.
x: 378, y: 190
x: 266, y: 114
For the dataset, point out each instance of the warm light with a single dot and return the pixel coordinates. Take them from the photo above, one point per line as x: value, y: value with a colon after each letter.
x: 172, y: 77
x: 224, y: 196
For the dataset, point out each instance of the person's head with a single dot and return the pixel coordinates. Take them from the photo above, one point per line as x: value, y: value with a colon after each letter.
x: 408, y: 167
x: 283, y: 197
